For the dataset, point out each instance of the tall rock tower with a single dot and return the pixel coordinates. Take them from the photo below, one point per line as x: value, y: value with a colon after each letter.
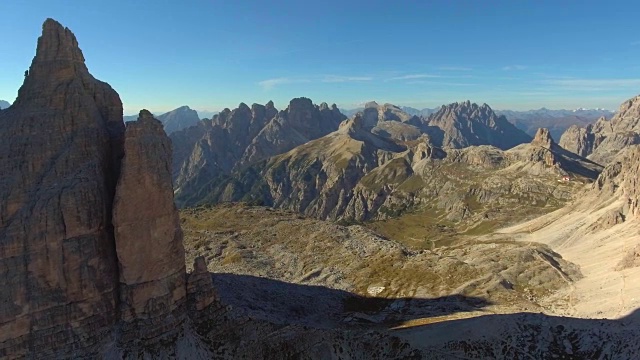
x: 89, y: 234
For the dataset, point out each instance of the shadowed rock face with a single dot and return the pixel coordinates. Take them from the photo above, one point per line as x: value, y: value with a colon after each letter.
x: 602, y: 141
x: 60, y: 144
x: 543, y: 138
x: 67, y: 279
x: 238, y: 138
x: 620, y: 178
x: 459, y: 125
x: 178, y: 119
x: 147, y: 234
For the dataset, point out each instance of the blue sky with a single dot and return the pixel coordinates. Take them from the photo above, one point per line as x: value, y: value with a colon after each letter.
x: 214, y: 54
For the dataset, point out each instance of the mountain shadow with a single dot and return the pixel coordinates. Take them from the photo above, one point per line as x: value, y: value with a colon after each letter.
x: 320, y: 306
x: 286, y: 320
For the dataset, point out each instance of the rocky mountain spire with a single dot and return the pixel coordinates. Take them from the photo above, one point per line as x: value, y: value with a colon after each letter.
x: 61, y: 143
x: 147, y: 234
x: 543, y: 138
x: 68, y: 279
x: 602, y: 141
x: 463, y: 124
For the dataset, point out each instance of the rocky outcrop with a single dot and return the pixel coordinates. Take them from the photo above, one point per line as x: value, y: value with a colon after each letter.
x: 200, y: 290
x: 203, y: 178
x: 463, y: 124
x: 355, y: 174
x: 557, y: 121
x: 241, y: 137
x: 620, y: 178
x: 543, y: 139
x: 579, y: 140
x: 148, y: 237
x: 61, y: 142
x: 178, y: 119
x: 214, y: 147
x: 390, y: 121
x: 602, y: 141
x: 544, y: 156
x: 301, y: 122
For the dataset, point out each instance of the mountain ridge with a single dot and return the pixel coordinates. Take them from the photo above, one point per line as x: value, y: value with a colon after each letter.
x: 602, y: 140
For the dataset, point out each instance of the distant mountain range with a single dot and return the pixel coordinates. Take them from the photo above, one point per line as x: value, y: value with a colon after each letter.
x: 4, y: 104
x: 557, y: 121
x: 407, y: 109
x: 604, y: 139
x: 174, y: 120
x: 313, y: 152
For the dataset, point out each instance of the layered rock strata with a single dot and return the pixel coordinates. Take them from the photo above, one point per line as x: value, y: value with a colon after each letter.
x: 602, y: 141
x: 60, y: 143
x: 89, y: 234
x: 148, y: 237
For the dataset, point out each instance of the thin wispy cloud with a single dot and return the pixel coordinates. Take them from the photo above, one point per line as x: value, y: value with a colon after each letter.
x: 514, y: 67
x: 440, y: 83
x: 339, y: 79
x: 414, y: 76
x: 272, y: 83
x: 455, y: 68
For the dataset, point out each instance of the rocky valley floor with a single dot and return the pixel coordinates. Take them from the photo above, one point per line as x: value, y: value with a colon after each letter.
x: 282, y: 267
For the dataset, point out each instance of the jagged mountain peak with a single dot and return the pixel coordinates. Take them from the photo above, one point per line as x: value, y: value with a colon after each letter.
x: 61, y: 183
x: 621, y: 176
x: 543, y: 138
x: 57, y: 43
x: 146, y: 118
x: 300, y: 102
x: 465, y: 107
x: 237, y: 138
x: 630, y: 106
x: 58, y: 60
x: 606, y: 138
x: 178, y: 119
x: 463, y: 124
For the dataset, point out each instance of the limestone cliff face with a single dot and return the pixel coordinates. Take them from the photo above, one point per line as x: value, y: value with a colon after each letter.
x: 238, y: 138
x: 90, y: 244
x: 60, y: 143
x: 602, y: 141
x: 620, y: 179
x: 300, y: 122
x: 544, y: 156
x: 391, y: 121
x: 356, y: 174
x: 178, y: 119
x: 147, y: 235
x: 459, y: 125
x: 579, y: 140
